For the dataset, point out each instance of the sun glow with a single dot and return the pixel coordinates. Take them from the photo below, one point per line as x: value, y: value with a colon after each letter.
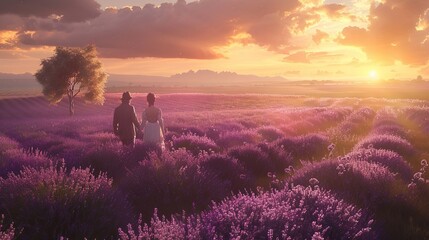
x: 373, y: 75
x: 7, y: 37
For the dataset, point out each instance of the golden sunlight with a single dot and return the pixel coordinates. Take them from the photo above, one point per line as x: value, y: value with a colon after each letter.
x: 7, y: 36
x: 373, y: 75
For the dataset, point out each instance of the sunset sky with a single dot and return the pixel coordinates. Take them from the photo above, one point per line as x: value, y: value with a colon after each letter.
x: 296, y: 39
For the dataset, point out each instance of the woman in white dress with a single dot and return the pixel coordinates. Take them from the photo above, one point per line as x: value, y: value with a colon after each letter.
x: 152, y: 123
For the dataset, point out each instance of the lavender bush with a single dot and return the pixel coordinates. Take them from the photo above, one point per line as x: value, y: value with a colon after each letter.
x: 296, y: 213
x: 278, y: 156
x: 394, y: 130
x: 14, y: 160
x: 182, y: 130
x: 307, y: 147
x: 7, y: 233
x: 418, y: 116
x: 270, y: 133
x: 388, y: 142
x: 302, y: 127
x: 7, y: 143
x: 195, y: 144
x: 234, y: 138
x: 173, y: 182
x: 227, y: 169
x: 141, y: 151
x: 346, y: 134
x: 105, y: 159
x: 254, y: 160
x: 387, y: 158
x: 50, y: 203
x: 364, y: 183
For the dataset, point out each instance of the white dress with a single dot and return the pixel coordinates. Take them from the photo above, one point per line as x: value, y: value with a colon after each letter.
x: 153, y: 126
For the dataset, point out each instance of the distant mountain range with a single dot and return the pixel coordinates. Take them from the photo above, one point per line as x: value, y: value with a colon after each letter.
x: 191, y: 78
x: 25, y: 81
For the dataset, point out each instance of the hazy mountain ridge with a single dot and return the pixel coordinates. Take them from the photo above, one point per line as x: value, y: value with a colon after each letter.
x: 199, y: 81
x: 24, y: 81
x: 191, y: 78
x: 208, y: 77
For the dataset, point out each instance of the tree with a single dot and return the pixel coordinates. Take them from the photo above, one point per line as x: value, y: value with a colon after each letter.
x: 71, y: 71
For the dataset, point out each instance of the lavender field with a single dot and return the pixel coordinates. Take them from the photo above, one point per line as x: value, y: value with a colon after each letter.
x: 235, y: 167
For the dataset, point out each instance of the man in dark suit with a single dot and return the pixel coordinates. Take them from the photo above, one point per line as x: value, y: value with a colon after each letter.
x: 125, y: 121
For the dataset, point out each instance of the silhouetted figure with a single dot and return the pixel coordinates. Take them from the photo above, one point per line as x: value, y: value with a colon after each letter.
x: 152, y: 123
x: 125, y: 121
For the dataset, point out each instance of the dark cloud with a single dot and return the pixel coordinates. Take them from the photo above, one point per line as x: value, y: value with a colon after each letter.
x: 11, y: 22
x: 67, y: 10
x: 396, y: 31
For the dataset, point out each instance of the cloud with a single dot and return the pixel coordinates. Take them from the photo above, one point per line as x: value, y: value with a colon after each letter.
x: 298, y: 57
x: 319, y: 36
x: 323, y: 73
x: 66, y: 10
x: 396, y: 32
x: 182, y: 30
x: 7, y: 40
x: 10, y: 55
x: 425, y: 70
x: 301, y: 20
x: 11, y: 22
x: 333, y: 10
x: 308, y: 57
x: 292, y: 72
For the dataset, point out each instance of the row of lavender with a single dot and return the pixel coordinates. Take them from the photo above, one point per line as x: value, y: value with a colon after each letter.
x: 237, y: 155
x: 177, y: 176
x: 373, y: 176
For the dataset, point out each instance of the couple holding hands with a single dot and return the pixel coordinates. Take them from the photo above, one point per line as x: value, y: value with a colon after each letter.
x: 125, y: 122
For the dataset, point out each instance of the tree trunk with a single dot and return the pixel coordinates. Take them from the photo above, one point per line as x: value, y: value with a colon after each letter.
x: 71, y: 105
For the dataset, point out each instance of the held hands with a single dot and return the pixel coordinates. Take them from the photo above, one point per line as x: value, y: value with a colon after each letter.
x: 139, y: 134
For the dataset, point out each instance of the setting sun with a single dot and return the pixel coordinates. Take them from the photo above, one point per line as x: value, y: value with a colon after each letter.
x: 373, y: 74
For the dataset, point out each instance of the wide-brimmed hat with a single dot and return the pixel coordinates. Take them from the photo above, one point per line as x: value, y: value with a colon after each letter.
x: 126, y: 96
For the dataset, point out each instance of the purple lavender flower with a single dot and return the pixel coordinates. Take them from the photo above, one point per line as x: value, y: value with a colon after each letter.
x: 361, y: 182
x: 8, y: 233
x: 195, y: 144
x: 172, y: 182
x: 270, y: 133
x: 388, y: 158
x: 253, y: 159
x: 234, y: 138
x: 228, y: 169
x: 388, y: 142
x: 296, y: 213
x: 14, y: 160
x: 307, y: 147
x: 49, y: 203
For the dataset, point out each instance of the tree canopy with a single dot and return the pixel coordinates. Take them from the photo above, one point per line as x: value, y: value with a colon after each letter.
x: 71, y: 71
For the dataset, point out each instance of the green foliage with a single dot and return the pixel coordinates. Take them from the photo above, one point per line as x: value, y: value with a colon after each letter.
x: 70, y: 71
